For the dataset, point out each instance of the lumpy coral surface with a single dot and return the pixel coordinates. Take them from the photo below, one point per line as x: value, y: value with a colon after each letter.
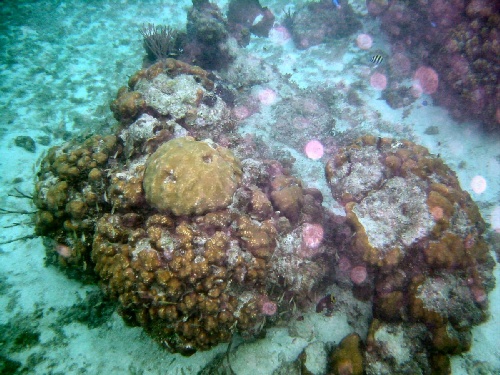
x: 197, y: 246
x: 420, y: 237
x: 186, y: 177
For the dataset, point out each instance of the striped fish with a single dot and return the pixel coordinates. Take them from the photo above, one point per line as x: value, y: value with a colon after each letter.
x: 377, y: 59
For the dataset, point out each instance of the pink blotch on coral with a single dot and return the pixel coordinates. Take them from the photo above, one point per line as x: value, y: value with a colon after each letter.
x: 241, y: 112
x: 478, y: 294
x: 416, y: 91
x: 344, y: 264
x: 437, y: 212
x: 359, y: 275
x: 314, y: 150
x: 312, y: 235
x: 364, y: 41
x: 63, y: 250
x: 267, y: 96
x: 269, y: 308
x: 378, y: 81
x: 279, y: 35
x: 478, y: 184
x: 426, y: 79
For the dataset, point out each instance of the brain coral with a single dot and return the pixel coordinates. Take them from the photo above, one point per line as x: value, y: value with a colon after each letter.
x: 187, y: 177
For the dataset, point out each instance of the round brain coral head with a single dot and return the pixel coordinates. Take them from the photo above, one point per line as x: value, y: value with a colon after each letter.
x: 186, y: 177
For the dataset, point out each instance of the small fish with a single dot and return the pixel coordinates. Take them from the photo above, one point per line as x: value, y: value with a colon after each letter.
x: 326, y: 303
x: 336, y: 3
x: 377, y: 59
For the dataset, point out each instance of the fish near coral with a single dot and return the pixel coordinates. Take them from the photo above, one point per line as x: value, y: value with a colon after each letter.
x: 326, y: 303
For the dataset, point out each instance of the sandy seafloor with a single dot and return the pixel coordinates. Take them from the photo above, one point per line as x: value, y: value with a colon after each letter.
x: 61, y: 64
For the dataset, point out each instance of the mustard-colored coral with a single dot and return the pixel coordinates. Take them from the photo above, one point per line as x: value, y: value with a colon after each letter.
x: 347, y: 358
x: 127, y: 105
x: 188, y: 177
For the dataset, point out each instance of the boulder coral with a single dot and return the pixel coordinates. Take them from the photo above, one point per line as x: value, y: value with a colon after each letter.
x: 176, y: 94
x: 197, y: 244
x: 419, y: 235
x: 194, y: 271
x: 190, y: 241
x: 186, y: 177
x: 70, y: 193
x: 397, y: 197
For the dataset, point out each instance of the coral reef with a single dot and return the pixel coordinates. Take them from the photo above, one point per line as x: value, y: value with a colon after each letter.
x: 207, y: 36
x: 317, y: 22
x: 194, y: 244
x: 178, y: 95
x: 200, y: 234
x: 70, y: 194
x: 458, y: 40
x: 192, y: 271
x: 248, y: 17
x: 418, y: 234
x: 398, y: 349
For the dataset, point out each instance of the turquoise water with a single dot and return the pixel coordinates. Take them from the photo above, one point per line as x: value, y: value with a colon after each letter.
x: 62, y: 65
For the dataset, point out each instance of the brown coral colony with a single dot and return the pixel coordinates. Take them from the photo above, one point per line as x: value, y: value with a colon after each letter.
x: 198, y: 240
x: 176, y: 240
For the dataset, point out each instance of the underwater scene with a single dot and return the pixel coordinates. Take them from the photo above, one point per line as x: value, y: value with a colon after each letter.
x: 250, y: 187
